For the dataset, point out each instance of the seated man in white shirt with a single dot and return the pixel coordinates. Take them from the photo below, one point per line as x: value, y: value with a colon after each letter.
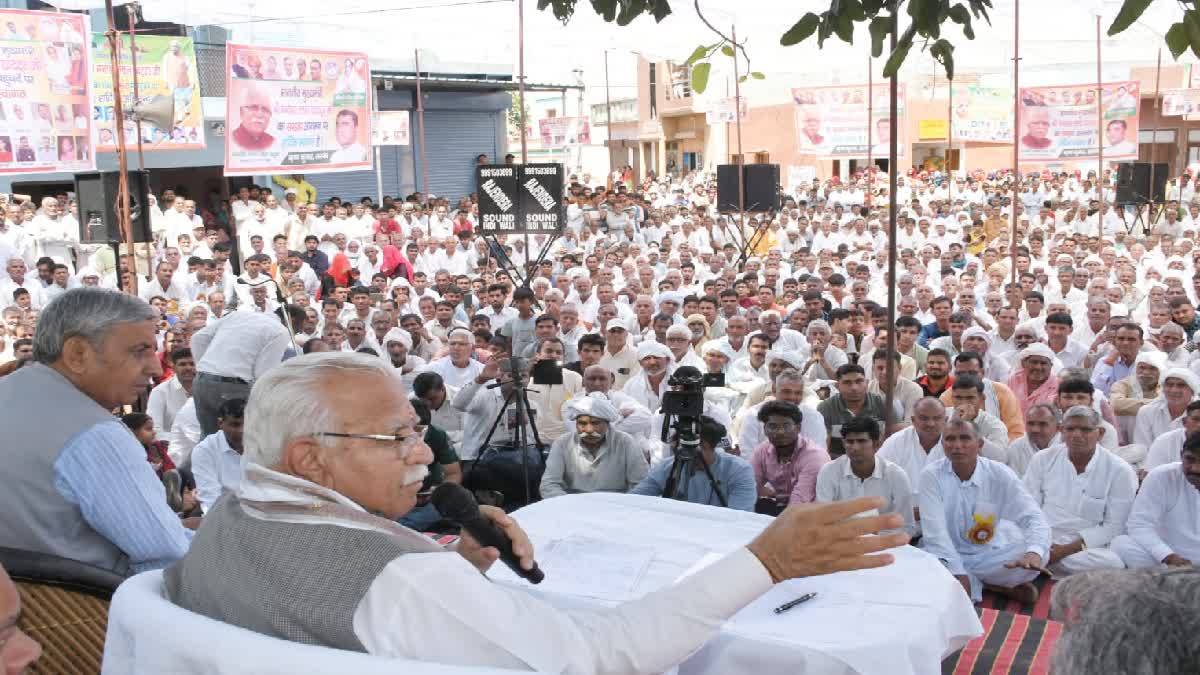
x: 978, y: 518
x: 1085, y: 492
x: 861, y: 473
x: 1042, y: 421
x: 1166, y: 448
x: 217, y: 460
x: 1162, y: 529
x: 593, y: 457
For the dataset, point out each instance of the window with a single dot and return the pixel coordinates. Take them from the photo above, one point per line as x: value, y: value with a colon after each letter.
x: 653, y: 90
x: 681, y: 80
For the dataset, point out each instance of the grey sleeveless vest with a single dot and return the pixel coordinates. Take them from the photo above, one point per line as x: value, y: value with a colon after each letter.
x: 40, y: 410
x: 298, y: 582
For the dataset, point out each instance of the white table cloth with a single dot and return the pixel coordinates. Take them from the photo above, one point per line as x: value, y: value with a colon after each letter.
x: 898, y: 620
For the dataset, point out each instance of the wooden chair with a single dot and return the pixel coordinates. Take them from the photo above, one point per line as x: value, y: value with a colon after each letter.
x: 64, y: 607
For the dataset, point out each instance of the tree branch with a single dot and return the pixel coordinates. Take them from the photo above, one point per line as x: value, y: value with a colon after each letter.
x: 721, y: 35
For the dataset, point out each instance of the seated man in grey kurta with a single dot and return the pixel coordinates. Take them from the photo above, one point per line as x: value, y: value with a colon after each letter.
x: 594, y: 457
x: 298, y: 551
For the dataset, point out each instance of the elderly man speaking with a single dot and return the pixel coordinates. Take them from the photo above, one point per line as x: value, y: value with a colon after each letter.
x: 299, y: 553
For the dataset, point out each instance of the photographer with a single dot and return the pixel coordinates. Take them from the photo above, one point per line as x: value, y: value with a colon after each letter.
x: 551, y: 392
x: 596, y: 457
x: 734, y: 475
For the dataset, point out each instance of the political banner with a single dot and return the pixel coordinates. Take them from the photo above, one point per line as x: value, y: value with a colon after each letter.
x: 1060, y: 123
x: 166, y: 67
x: 983, y: 114
x: 559, y: 131
x: 833, y: 122
x: 390, y: 127
x: 1177, y: 102
x: 296, y: 110
x: 45, y: 116
x: 723, y: 111
x: 520, y: 198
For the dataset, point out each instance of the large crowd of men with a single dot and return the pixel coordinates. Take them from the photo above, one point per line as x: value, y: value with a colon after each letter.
x: 1043, y: 419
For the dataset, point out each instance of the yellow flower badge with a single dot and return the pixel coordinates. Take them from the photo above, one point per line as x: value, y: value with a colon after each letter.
x: 983, y: 530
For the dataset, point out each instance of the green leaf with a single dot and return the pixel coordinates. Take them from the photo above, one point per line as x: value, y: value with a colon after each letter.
x: 825, y: 30
x: 881, y: 27
x: 801, y: 31
x: 1131, y: 11
x: 727, y: 51
x: 630, y: 10
x: 960, y: 14
x: 758, y: 76
x: 854, y: 10
x: 1191, y: 23
x: 903, y: 45
x: 1178, y: 40
x: 697, y: 54
x: 844, y: 27
x: 607, y: 9
x: 661, y: 9
x: 872, y: 7
x: 743, y: 78
x: 700, y: 77
x: 943, y: 51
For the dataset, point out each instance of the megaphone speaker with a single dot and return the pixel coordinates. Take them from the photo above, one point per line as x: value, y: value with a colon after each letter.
x: 156, y: 110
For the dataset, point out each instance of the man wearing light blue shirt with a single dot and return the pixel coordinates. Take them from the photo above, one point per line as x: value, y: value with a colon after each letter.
x: 733, y: 476
x: 978, y: 518
x: 77, y: 483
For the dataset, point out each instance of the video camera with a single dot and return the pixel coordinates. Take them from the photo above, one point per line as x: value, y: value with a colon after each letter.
x: 685, y: 402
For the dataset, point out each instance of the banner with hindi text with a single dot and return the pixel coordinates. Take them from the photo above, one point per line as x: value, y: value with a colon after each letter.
x: 1061, y: 123
x: 45, y: 111
x: 293, y: 110
x: 983, y: 114
x: 557, y: 132
x: 833, y: 122
x: 166, y: 67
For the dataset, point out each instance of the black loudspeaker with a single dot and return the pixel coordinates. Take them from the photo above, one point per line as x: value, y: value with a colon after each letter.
x: 96, y: 193
x: 761, y: 182
x: 1133, y: 183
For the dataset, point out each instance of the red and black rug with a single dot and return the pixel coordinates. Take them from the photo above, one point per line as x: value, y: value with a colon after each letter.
x: 1016, y: 640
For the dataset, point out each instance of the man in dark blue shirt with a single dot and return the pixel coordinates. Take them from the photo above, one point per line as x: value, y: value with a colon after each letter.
x: 941, y: 308
x: 318, y: 261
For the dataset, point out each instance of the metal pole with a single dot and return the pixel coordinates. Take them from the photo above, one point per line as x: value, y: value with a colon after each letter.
x: 741, y: 163
x: 1154, y: 140
x: 123, y: 222
x: 1016, y: 131
x: 870, y: 127
x: 893, y: 148
x: 378, y: 160
x: 608, y: 120
x: 1099, y: 134
x: 131, y: 9
x: 949, y: 138
x: 521, y: 77
x: 421, y: 124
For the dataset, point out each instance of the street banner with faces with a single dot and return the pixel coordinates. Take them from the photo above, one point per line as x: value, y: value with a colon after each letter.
x: 1177, y: 102
x: 983, y: 114
x: 166, y: 67
x: 1060, y: 123
x: 296, y: 111
x: 835, y: 122
x: 391, y: 128
x: 45, y: 113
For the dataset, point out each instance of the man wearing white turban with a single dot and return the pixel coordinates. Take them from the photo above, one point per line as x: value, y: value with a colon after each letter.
x: 1179, y: 388
x: 397, y: 344
x: 595, y: 457
x: 648, y: 385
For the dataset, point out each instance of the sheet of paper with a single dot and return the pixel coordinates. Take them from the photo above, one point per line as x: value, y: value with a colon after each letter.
x: 593, y: 568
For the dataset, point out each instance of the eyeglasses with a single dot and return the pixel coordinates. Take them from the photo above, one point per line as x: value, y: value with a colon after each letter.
x: 405, y: 442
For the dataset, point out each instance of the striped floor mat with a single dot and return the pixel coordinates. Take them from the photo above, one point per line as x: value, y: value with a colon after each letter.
x: 1014, y: 644
x: 1038, y: 610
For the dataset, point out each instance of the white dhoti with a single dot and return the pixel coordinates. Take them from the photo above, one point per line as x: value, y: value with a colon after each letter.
x: 985, y: 564
x: 1099, y: 558
x: 1132, y: 554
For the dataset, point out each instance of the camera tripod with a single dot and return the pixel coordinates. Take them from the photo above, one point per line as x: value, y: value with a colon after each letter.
x: 519, y: 397
x: 687, y: 453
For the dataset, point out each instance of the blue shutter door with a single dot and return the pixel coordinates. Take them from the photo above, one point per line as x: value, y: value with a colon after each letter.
x: 453, y: 138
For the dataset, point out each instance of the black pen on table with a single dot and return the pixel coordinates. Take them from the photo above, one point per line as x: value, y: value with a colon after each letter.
x: 798, y: 601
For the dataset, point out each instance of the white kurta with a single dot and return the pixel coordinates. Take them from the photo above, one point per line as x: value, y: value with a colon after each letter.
x: 904, y: 448
x: 949, y: 507
x: 1092, y: 506
x: 1165, y: 449
x: 1165, y: 519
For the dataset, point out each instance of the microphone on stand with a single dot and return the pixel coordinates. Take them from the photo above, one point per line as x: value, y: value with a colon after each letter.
x: 456, y: 503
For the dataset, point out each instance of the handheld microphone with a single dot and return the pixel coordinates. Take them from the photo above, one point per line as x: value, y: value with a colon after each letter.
x: 456, y: 503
